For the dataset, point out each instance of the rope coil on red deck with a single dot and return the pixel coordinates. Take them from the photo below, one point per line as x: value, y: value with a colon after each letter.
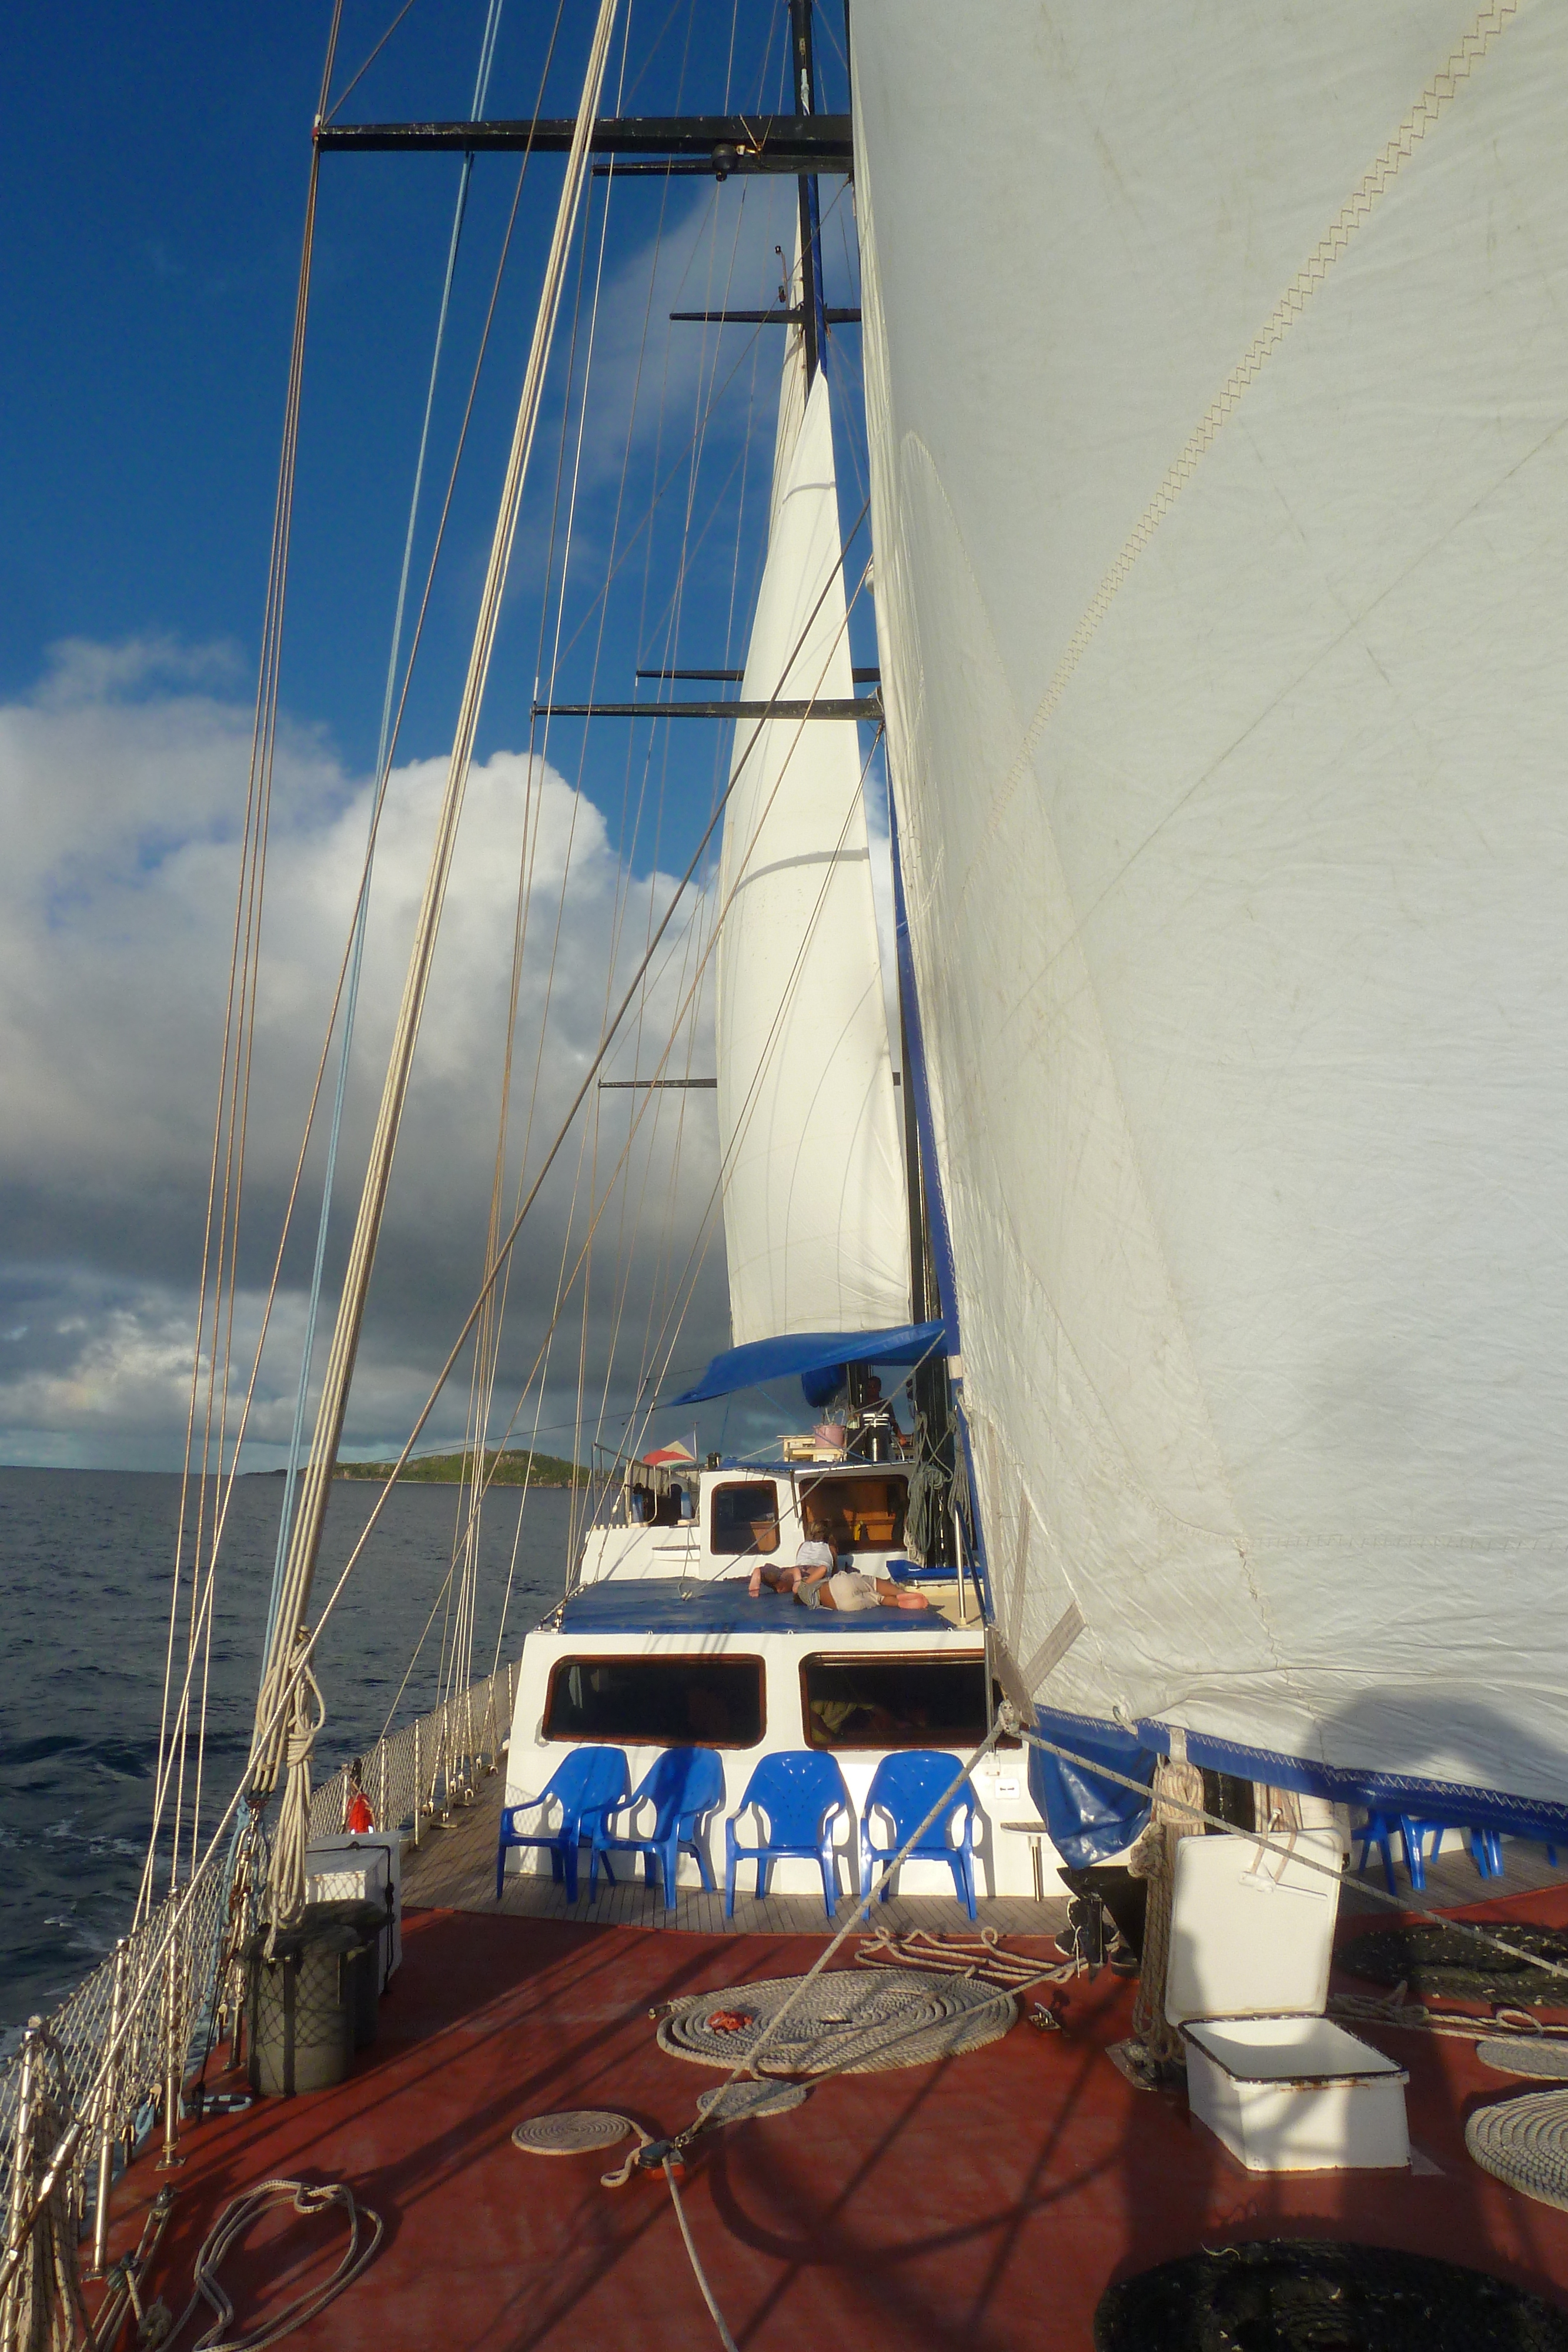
x: 309, y: 2197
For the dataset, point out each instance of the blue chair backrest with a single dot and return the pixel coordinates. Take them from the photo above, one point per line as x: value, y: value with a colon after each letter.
x: 588, y: 1779
x: 682, y: 1782
x: 908, y: 1784
x: 794, y: 1790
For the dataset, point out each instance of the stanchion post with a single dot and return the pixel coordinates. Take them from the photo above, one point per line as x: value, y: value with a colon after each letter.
x: 21, y: 2185
x: 174, y: 2052
x: 106, y: 2133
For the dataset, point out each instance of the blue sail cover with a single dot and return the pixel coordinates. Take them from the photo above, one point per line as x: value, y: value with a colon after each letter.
x: 808, y: 1352
x: 1089, y: 1818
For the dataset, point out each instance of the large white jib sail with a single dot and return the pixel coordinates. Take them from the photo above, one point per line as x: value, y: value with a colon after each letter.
x: 814, y: 1204
x: 1217, y: 391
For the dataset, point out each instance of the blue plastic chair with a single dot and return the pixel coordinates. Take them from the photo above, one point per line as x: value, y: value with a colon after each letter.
x: 799, y: 1795
x: 905, y: 1787
x: 906, y: 1572
x: 589, y: 1780
x: 683, y: 1786
x: 1378, y: 1830
x: 1486, y: 1845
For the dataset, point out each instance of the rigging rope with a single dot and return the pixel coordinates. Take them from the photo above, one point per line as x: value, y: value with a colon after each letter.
x: 308, y: 1713
x: 725, y: 2337
x: 219, y: 1250
x: 314, y: 1493
x: 165, y: 1774
x: 650, y: 1096
x: 382, y: 777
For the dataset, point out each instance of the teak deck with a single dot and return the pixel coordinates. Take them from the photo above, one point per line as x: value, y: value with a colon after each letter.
x: 982, y: 2204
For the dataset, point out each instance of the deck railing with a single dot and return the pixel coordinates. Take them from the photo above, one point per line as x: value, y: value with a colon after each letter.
x: 171, y: 1988
x: 421, y: 1771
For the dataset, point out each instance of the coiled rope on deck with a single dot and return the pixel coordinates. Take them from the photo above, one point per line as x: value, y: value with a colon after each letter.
x: 1524, y: 2143
x: 237, y: 2216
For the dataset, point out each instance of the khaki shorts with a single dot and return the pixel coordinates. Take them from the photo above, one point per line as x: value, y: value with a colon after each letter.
x: 850, y: 1592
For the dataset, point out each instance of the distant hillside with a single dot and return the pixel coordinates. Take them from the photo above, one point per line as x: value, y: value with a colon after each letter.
x: 514, y: 1466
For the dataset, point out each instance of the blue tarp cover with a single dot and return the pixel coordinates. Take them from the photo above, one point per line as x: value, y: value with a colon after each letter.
x: 1089, y: 1818
x: 666, y: 1604
x: 761, y: 1361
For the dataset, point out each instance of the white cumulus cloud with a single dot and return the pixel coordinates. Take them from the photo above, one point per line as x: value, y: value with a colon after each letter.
x: 121, y: 790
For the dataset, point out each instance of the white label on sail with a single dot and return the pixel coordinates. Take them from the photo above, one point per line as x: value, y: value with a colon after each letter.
x: 814, y: 1203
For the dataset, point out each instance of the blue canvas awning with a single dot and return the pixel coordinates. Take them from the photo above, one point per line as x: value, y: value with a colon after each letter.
x: 806, y: 1353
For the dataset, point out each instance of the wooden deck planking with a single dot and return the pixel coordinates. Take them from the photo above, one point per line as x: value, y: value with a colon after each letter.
x: 1453, y: 1881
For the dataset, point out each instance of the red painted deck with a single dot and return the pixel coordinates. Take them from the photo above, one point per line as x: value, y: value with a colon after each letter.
x: 983, y: 2203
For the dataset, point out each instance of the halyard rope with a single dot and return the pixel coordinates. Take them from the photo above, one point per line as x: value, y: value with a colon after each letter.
x: 725, y: 2337
x: 356, y: 948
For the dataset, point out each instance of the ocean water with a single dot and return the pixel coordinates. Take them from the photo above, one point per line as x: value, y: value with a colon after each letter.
x: 85, y: 1559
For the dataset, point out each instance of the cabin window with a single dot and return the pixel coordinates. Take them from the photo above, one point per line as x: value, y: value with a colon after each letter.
x: 860, y: 1514
x: 745, y: 1517
x: 642, y: 1702
x: 898, y: 1702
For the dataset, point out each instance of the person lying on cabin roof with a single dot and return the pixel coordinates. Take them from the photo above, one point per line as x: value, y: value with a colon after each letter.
x: 814, y: 1557
x: 847, y: 1589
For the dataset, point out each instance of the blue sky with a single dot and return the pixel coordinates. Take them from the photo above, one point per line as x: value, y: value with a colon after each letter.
x: 154, y: 177
x: 155, y: 203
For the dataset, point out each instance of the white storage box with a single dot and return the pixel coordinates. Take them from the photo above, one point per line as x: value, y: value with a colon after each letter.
x: 1251, y: 1945
x: 1296, y: 2095
x: 358, y: 1869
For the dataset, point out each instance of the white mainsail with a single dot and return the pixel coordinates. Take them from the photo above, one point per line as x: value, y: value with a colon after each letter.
x: 1219, y: 409
x: 814, y: 1205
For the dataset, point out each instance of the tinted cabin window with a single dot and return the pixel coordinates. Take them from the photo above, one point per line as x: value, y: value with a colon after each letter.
x: 860, y: 1514
x: 745, y: 1517
x: 657, y: 1702
x: 882, y: 1702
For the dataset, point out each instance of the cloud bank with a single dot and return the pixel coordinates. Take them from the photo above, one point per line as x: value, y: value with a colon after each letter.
x: 121, y: 786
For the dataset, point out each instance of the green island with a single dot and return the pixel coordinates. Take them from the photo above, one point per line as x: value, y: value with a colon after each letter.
x: 504, y: 1466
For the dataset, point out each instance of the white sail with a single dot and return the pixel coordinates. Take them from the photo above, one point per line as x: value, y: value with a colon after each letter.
x: 1218, y: 401
x: 814, y: 1204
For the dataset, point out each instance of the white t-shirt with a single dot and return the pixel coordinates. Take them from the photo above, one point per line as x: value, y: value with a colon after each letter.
x: 814, y: 1555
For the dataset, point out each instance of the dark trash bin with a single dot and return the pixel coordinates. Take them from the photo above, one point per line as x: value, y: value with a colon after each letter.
x: 367, y: 1921
x: 300, y: 2006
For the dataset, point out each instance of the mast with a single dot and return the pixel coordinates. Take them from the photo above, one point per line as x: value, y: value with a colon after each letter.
x: 814, y: 325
